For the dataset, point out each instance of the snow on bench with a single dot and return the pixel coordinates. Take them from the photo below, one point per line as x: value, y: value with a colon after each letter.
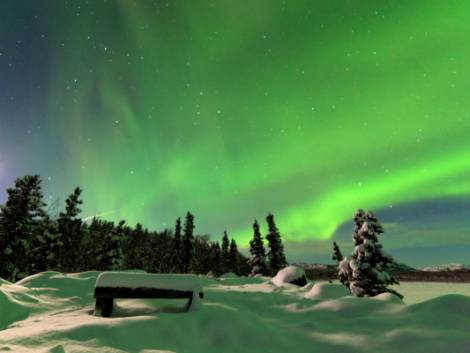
x: 110, y: 285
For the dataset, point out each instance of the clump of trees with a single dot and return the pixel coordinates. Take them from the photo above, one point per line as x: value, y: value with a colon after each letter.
x: 368, y: 271
x: 32, y: 241
x: 275, y: 260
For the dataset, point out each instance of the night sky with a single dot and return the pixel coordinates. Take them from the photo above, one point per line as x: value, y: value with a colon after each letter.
x: 233, y: 109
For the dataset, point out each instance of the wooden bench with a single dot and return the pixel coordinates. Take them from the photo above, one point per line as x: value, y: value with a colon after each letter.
x: 114, y: 285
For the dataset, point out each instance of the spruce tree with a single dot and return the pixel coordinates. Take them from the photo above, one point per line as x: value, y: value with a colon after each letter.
x: 21, y: 222
x: 233, y: 257
x: 160, y: 258
x: 369, y: 268
x: 135, y: 248
x: 216, y: 259
x: 276, y: 257
x: 187, y: 247
x: 108, y: 245
x: 116, y: 253
x: 202, y: 260
x: 70, y: 233
x: 258, y: 254
x: 177, y: 247
x: 337, y: 255
x: 225, y: 254
x: 244, y: 267
x: 46, y: 247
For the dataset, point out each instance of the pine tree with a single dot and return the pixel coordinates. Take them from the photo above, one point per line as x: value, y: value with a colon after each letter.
x: 160, y: 246
x: 45, y: 247
x: 135, y: 248
x: 177, y: 247
x: 115, y: 249
x: 368, y: 270
x: 244, y: 267
x: 216, y: 259
x: 276, y: 257
x: 105, y: 248
x: 225, y: 253
x: 233, y: 257
x: 21, y: 222
x: 337, y: 255
x: 69, y: 227
x: 188, y: 236
x: 202, y: 263
x: 258, y: 254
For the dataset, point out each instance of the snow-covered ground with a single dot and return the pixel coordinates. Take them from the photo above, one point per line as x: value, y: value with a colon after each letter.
x: 52, y: 312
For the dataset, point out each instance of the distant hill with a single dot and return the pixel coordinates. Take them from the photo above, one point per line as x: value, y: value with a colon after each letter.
x: 402, y: 272
x: 447, y: 267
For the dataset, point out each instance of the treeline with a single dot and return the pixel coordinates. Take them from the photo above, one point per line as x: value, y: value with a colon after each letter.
x: 33, y: 241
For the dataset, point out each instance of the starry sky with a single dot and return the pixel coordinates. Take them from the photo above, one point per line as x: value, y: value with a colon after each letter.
x: 233, y: 109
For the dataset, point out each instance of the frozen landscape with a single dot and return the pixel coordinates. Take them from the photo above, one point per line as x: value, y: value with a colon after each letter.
x: 53, y: 312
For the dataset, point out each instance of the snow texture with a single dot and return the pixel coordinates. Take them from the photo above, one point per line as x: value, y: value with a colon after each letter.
x: 288, y: 275
x: 51, y: 312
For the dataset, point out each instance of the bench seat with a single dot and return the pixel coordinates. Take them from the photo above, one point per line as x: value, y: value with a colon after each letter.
x: 111, y: 285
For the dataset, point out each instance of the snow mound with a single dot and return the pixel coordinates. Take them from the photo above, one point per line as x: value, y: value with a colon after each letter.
x: 290, y: 275
x: 451, y: 304
x: 71, y: 286
x: 2, y: 281
x: 323, y: 291
x: 11, y: 309
x: 388, y: 297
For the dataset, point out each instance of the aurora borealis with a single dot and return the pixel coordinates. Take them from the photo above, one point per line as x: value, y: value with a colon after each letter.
x: 233, y: 109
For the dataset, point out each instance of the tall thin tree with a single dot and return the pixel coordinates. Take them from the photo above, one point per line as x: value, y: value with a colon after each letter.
x: 225, y: 253
x: 258, y: 254
x: 337, y: 255
x: 233, y: 257
x: 188, y: 237
x: 276, y: 257
x: 69, y: 227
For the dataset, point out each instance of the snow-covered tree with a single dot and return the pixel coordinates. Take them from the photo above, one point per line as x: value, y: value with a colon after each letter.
x: 21, y: 222
x: 233, y: 257
x: 337, y: 255
x: 225, y: 253
x: 277, y: 259
x: 258, y: 255
x: 367, y: 273
x: 188, y: 236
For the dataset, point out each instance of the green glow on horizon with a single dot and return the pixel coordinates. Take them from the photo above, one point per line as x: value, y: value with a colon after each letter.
x: 235, y: 110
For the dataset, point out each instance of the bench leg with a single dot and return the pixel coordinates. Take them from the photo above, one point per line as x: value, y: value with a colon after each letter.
x: 188, y: 304
x: 104, y: 306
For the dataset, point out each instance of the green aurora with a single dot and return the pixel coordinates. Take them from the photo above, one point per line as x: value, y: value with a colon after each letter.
x: 233, y: 109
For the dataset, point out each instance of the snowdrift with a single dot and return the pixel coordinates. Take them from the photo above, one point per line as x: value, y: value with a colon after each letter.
x: 52, y: 312
x: 290, y: 275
